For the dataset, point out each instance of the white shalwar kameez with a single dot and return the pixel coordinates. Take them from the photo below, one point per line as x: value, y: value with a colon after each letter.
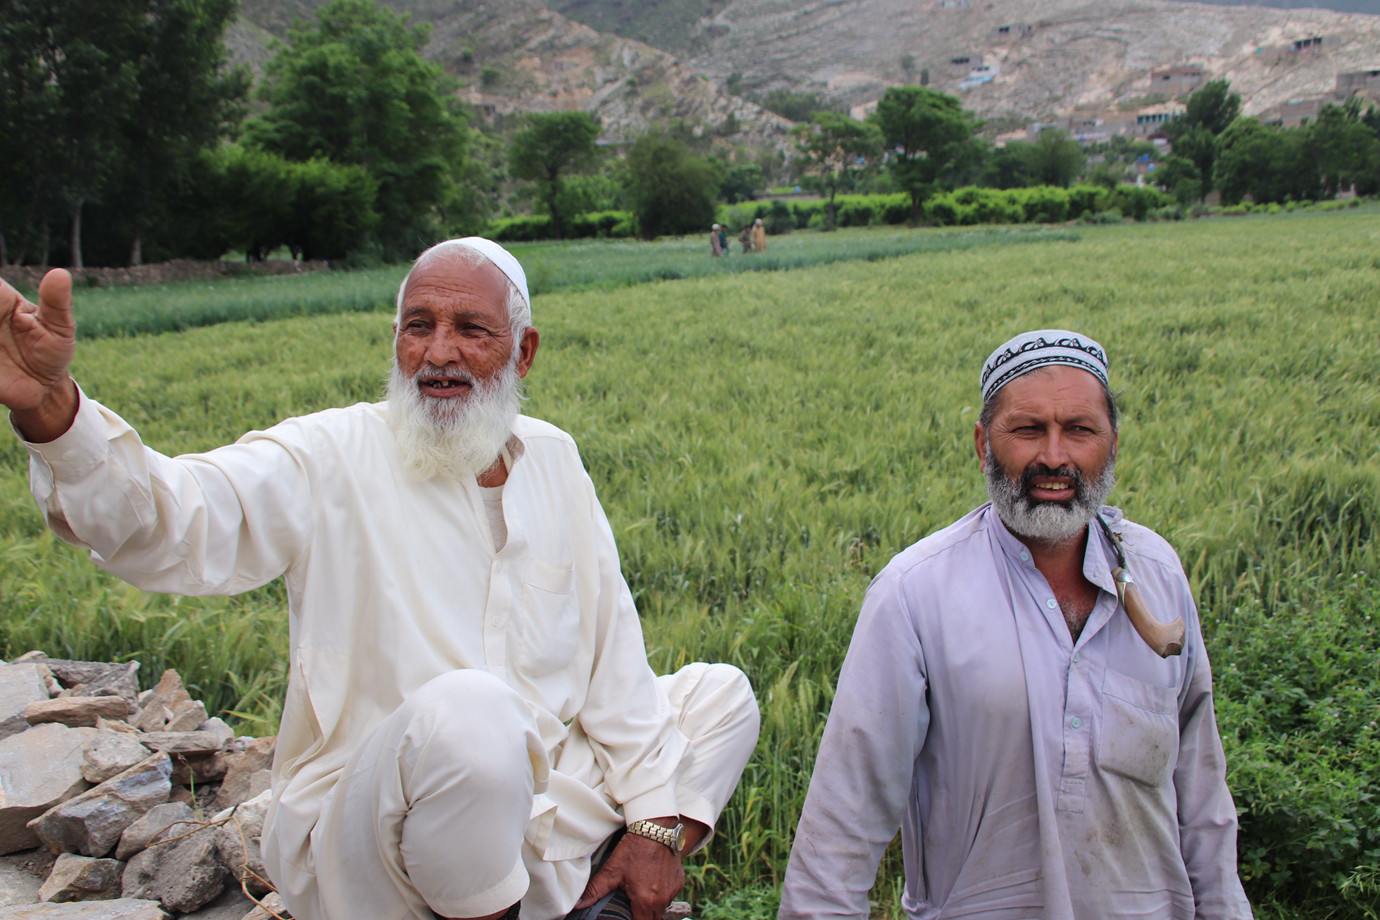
x: 531, y: 653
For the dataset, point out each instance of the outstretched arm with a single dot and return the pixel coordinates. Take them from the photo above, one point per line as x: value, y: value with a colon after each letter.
x: 37, y: 342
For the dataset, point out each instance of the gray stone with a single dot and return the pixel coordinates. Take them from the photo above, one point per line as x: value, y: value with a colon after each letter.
x: 20, y: 685
x: 197, y: 769
x: 230, y: 905
x: 197, y: 742
x: 122, y: 909
x: 91, y: 823
x: 81, y: 878
x: 217, y: 727
x: 174, y: 818
x: 21, y: 875
x: 158, y: 705
x: 247, y: 772
x: 241, y: 830
x: 100, y: 679
x: 77, y: 711
x: 676, y: 910
x: 110, y: 754
x: 38, y: 769
x: 184, y: 874
x: 186, y: 716
x: 270, y: 906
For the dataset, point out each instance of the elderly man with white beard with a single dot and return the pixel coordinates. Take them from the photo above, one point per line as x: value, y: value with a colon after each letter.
x: 471, y: 727
x: 1026, y: 695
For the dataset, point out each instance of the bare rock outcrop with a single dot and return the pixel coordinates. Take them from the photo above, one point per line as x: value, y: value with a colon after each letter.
x: 122, y: 785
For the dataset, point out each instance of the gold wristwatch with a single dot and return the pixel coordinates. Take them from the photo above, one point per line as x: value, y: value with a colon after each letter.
x: 672, y: 837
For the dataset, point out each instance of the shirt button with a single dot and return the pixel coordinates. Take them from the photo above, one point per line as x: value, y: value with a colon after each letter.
x: 1051, y: 603
x: 1075, y: 658
x: 1025, y: 557
x: 1076, y: 722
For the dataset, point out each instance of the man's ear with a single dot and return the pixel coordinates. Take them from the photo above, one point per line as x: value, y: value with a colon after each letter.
x: 980, y: 443
x: 527, y: 350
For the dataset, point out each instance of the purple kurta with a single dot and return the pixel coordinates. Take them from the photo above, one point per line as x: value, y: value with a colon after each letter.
x: 1031, y: 776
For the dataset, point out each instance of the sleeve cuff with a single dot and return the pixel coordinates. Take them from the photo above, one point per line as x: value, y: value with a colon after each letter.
x: 82, y: 447
x: 659, y: 803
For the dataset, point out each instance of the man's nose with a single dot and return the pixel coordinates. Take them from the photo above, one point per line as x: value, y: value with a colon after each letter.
x: 1054, y: 450
x: 444, y: 348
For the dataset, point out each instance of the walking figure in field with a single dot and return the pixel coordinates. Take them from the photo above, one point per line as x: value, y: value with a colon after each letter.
x: 716, y: 246
x: 759, y: 236
x: 745, y: 238
x: 1046, y: 749
x: 470, y: 720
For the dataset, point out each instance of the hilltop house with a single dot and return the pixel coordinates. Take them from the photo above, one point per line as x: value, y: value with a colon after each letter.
x: 1176, y: 81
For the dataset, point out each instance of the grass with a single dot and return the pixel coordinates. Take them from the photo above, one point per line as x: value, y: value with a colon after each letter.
x: 764, y: 442
x: 550, y: 267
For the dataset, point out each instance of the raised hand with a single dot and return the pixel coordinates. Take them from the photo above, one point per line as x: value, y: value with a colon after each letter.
x: 37, y: 342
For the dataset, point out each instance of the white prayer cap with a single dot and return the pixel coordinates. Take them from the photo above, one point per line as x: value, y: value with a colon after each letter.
x: 1031, y: 351
x: 501, y: 258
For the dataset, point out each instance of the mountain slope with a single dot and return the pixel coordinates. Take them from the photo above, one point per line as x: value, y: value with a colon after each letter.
x: 517, y: 55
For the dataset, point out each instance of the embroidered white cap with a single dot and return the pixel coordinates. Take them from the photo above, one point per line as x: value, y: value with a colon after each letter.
x: 1031, y: 351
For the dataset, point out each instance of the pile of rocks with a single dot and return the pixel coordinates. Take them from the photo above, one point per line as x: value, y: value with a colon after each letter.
x: 122, y: 805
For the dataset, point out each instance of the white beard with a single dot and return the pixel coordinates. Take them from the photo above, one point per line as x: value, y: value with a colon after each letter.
x: 453, y: 438
x: 1047, y: 522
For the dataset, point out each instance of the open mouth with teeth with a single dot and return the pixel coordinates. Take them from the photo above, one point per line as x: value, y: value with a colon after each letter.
x: 444, y: 386
x: 1045, y: 485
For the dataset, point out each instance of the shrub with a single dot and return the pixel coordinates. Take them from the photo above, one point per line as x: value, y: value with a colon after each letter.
x: 1296, y: 690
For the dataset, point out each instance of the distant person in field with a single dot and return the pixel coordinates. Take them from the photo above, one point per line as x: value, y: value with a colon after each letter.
x: 471, y: 722
x: 716, y: 244
x: 759, y: 236
x: 745, y: 238
x: 723, y: 239
x: 1047, y: 748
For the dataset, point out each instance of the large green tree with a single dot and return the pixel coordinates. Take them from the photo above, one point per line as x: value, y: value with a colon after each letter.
x: 353, y: 88
x: 671, y: 190
x: 549, y: 146
x: 104, y: 103
x: 833, y: 148
x: 930, y: 138
x: 186, y: 99
x: 1193, y: 135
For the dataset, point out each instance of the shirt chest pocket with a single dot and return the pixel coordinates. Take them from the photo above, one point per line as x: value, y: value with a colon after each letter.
x: 547, y: 627
x: 1140, y: 729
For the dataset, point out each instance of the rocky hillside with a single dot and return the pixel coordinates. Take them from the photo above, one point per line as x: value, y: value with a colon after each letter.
x: 518, y: 55
x: 1049, y: 57
x: 1045, y: 58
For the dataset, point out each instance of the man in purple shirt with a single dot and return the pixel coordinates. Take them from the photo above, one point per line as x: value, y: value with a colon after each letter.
x: 998, y: 705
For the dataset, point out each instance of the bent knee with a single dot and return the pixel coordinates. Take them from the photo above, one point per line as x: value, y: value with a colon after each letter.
x: 474, y: 707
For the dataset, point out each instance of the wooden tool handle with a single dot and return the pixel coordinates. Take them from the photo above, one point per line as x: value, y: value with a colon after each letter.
x: 1164, y: 639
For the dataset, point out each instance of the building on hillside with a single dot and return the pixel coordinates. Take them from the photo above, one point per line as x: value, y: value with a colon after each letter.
x: 1295, y: 112
x: 1357, y: 81
x: 979, y: 75
x: 1012, y: 32
x: 1295, y: 50
x: 1090, y: 127
x: 1176, y: 81
x: 962, y: 65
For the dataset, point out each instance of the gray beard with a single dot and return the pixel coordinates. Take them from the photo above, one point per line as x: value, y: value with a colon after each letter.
x: 1042, y: 521
x: 452, y: 438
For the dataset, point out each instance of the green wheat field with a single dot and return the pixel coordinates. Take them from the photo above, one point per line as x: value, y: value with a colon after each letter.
x: 764, y: 441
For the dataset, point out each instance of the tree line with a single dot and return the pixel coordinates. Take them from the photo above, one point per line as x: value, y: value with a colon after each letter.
x: 129, y: 138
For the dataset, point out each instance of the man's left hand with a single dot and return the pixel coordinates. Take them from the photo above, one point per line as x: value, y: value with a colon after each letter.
x: 648, y: 871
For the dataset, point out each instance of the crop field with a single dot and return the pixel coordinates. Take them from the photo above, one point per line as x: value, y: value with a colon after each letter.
x: 764, y: 441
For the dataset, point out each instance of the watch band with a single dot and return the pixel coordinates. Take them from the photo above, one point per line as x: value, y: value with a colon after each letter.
x: 670, y: 837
